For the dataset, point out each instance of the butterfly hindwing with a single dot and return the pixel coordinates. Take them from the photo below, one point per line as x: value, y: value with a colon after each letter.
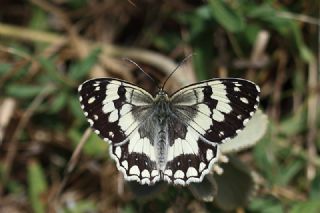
x: 135, y: 159
x: 217, y: 109
x: 189, y: 158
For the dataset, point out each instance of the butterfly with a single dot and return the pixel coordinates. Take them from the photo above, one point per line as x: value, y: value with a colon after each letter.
x: 173, y: 138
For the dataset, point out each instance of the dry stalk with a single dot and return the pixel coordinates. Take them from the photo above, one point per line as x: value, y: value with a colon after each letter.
x: 157, y: 60
x: 6, y: 112
x: 70, y: 166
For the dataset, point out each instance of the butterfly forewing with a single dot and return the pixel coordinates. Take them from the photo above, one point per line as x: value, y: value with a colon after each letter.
x: 113, y: 107
x: 217, y: 109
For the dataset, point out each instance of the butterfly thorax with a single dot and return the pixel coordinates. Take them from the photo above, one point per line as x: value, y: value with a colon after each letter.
x: 161, y: 116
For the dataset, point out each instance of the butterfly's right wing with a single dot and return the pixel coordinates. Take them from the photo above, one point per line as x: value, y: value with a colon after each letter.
x: 204, y: 115
x: 117, y: 111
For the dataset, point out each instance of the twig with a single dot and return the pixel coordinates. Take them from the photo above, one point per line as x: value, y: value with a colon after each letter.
x: 258, y: 52
x: 299, y: 17
x: 72, y: 163
x: 312, y: 119
x: 15, y: 52
x: 29, y: 35
x: 280, y: 79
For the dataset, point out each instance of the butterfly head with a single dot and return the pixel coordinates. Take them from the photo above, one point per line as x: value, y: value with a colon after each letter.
x: 162, y: 95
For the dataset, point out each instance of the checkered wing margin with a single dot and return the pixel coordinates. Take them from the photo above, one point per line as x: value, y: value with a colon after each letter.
x: 216, y: 109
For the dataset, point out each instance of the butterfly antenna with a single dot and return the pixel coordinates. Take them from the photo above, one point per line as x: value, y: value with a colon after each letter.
x: 149, y: 76
x: 175, y: 69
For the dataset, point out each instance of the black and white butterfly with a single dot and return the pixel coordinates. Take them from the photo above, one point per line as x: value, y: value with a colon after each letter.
x: 175, y: 137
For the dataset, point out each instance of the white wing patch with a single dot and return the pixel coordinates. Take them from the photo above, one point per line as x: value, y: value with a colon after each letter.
x: 141, y: 145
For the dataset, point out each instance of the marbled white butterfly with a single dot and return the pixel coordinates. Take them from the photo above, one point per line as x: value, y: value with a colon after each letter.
x: 172, y: 138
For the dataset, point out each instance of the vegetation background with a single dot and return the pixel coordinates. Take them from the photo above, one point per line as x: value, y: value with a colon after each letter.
x: 48, y: 48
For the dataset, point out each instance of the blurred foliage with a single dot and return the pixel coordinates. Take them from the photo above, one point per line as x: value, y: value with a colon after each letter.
x: 271, y: 177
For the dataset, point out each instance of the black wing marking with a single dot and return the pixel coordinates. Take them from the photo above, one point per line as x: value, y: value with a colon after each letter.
x: 217, y: 109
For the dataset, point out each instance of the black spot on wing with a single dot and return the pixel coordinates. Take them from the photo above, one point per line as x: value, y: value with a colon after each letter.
x: 211, y: 103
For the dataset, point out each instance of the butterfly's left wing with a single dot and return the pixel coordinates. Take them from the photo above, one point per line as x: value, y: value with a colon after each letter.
x: 114, y: 108
x: 117, y: 111
x: 216, y: 109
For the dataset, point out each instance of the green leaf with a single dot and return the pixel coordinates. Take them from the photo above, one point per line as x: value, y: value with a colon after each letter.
x: 315, y: 187
x: 166, y: 42
x: 59, y: 102
x: 288, y: 172
x: 201, y: 62
x: 75, y: 108
x: 39, y: 19
x: 37, y: 186
x: 15, y: 187
x: 235, y: 185
x: 265, y: 156
x: 226, y: 16
x: 263, y: 11
x: 266, y: 205
x: 295, y: 123
x: 128, y: 209
x: 53, y: 73
x: 4, y: 68
x: 269, y: 18
x: 82, y: 68
x: 94, y: 146
x: 311, y: 206
x: 82, y: 206
x: 203, y: 55
x: 304, y: 52
x: 23, y: 91
x: 286, y: 27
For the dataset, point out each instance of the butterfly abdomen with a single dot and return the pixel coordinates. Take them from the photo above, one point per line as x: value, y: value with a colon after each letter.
x: 161, y: 148
x: 162, y: 114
